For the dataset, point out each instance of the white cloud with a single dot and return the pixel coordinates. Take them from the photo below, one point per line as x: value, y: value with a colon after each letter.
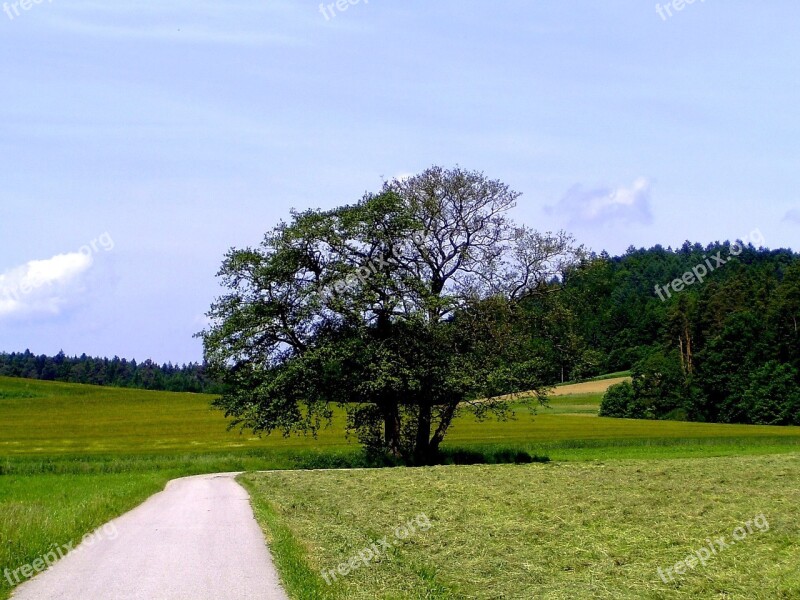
x: 623, y: 204
x: 793, y: 216
x: 42, y: 286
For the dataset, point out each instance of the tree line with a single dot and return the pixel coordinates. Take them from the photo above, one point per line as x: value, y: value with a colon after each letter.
x: 116, y: 372
x: 726, y: 350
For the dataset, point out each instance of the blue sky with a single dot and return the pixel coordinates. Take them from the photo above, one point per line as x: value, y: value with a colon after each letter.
x: 140, y: 140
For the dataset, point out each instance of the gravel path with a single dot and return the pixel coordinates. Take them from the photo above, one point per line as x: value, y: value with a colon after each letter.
x: 196, y: 540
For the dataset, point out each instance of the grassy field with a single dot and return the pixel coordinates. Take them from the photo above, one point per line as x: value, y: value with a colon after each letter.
x: 72, y: 457
x: 555, y: 531
x: 58, y: 418
x: 43, y: 420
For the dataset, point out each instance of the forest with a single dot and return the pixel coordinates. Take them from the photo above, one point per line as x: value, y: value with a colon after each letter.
x: 726, y: 350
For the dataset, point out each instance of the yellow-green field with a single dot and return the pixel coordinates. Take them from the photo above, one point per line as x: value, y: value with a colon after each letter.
x: 58, y: 418
x: 54, y: 419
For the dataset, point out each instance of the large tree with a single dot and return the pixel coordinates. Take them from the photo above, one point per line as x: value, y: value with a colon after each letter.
x: 401, y: 308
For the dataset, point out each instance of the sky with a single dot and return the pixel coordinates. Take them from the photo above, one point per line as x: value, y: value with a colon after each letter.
x: 141, y: 140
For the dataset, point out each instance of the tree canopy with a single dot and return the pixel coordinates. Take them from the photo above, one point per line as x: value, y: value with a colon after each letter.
x: 404, y: 308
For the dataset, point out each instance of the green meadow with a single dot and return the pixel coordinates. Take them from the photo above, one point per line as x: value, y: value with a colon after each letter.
x: 44, y: 420
x: 72, y: 457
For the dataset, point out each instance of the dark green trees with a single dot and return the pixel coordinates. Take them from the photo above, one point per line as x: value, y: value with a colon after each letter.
x: 728, y: 350
x: 772, y: 395
x: 111, y: 372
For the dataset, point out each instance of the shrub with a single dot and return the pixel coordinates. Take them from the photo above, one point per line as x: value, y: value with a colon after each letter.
x: 659, y: 385
x: 619, y: 401
x: 773, y: 395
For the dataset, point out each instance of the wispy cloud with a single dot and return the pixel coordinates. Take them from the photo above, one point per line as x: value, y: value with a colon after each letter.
x: 182, y: 22
x: 42, y: 286
x: 623, y: 204
x: 178, y: 33
x: 793, y: 216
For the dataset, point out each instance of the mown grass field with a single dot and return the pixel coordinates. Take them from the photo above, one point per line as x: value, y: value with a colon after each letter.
x: 555, y: 531
x: 73, y: 457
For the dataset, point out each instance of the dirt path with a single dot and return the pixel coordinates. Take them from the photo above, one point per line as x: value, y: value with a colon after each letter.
x: 196, y: 540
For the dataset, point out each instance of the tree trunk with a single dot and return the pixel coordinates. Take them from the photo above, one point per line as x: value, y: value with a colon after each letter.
x: 689, y: 361
x: 444, y: 424
x: 391, y: 430
x: 391, y: 410
x: 422, y: 446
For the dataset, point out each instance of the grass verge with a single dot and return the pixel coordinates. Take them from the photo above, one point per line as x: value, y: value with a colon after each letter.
x: 39, y: 511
